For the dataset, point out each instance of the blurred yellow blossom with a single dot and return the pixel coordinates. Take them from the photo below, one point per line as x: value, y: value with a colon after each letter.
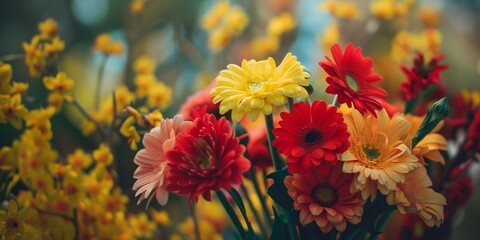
x: 12, y: 110
x: 137, y: 6
x: 79, y: 160
x: 5, y: 77
x: 236, y: 20
x: 48, y: 29
x: 143, y: 83
x: 159, y: 96
x: 141, y: 226
x: 52, y: 49
x: 18, y: 88
x: 264, y: 46
x: 105, y: 44
x: 213, y: 17
x: 55, y: 100
x: 154, y: 118
x: 34, y: 57
x: 343, y: 9
x: 429, y: 16
x: 144, y: 65
x: 160, y: 217
x: 61, y: 85
x: 330, y: 36
x: 88, y: 127
x: 103, y: 155
x: 208, y: 231
x: 12, y: 221
x: 40, y: 118
x: 281, y: 24
x: 383, y: 9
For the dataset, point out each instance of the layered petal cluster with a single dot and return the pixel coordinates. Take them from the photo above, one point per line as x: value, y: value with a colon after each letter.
x: 415, y: 195
x: 379, y: 153
x: 350, y: 77
x: 429, y: 147
x: 151, y: 173
x: 311, y: 136
x: 420, y: 76
x: 325, y: 198
x: 207, y: 157
x: 255, y: 87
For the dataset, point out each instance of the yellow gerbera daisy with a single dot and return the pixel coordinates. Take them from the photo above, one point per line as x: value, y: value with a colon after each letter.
x: 255, y: 87
x: 430, y: 145
x: 415, y: 195
x: 379, y: 153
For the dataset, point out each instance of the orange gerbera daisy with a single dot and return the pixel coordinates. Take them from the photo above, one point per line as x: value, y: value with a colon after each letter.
x: 379, y: 153
x: 430, y: 145
x: 415, y: 195
x: 152, y: 170
x: 325, y: 198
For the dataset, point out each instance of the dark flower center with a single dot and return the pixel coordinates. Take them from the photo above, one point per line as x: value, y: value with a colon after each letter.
x: 310, y: 137
x: 325, y: 195
x: 352, y: 83
x: 12, y: 223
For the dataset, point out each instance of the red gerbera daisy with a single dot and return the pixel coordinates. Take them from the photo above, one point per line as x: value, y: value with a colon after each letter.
x: 325, y: 198
x: 350, y: 76
x: 311, y: 136
x: 421, y: 75
x: 207, y: 157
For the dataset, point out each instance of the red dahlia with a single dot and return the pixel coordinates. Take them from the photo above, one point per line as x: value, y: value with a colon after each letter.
x: 206, y: 157
x: 421, y: 75
x: 311, y: 136
x: 350, y: 76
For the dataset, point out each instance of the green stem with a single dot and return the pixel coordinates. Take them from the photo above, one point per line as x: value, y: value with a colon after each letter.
x: 231, y: 213
x: 84, y: 112
x: 195, y: 222
x: 99, y: 81
x: 277, y: 163
x: 290, y: 104
x: 411, y: 106
x: 256, y: 186
x: 260, y: 222
x: 335, y: 101
x: 382, y: 222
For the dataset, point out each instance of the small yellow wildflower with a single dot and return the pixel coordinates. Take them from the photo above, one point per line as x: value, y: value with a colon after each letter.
x: 129, y: 131
x: 159, y: 96
x: 12, y: 221
x: 429, y: 17
x: 218, y: 39
x: 123, y: 98
x: 264, y: 46
x: 5, y: 77
x: 55, y: 100
x: 154, y: 118
x: 40, y: 119
x: 160, y: 217
x: 104, y: 44
x: 34, y: 57
x: 48, y: 29
x: 137, y: 6
x: 103, y: 155
x: 214, y: 17
x: 255, y: 87
x: 52, y: 49
x: 471, y: 95
x: 236, y: 20
x: 401, y: 10
x: 79, y: 160
x: 281, y: 24
x: 142, y: 226
x: 344, y: 9
x: 12, y: 110
x: 60, y: 84
x: 18, y: 88
x: 144, y: 83
x: 208, y: 230
x: 88, y: 127
x: 330, y: 36
x: 144, y: 65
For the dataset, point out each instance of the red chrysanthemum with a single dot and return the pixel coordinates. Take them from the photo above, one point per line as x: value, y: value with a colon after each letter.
x: 473, y: 138
x: 311, y: 136
x: 325, y: 198
x: 350, y: 76
x: 421, y: 75
x: 207, y: 157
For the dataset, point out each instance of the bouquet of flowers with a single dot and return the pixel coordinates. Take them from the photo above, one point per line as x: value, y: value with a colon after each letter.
x: 259, y: 142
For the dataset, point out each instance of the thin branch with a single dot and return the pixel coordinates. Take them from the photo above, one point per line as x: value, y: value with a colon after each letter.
x: 89, y: 117
x: 12, y: 57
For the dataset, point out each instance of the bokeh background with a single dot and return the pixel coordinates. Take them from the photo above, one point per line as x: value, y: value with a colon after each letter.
x: 169, y: 32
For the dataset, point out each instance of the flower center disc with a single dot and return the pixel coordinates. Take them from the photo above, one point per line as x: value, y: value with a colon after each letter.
x: 371, y: 153
x: 352, y: 83
x: 310, y: 136
x: 325, y: 195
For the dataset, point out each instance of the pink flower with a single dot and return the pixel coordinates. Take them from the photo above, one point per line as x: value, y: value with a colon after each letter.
x: 152, y: 165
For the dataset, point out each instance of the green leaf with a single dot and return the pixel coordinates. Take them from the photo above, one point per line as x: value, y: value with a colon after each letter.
x: 238, y: 200
x: 241, y: 133
x: 280, y: 229
x: 278, y: 191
